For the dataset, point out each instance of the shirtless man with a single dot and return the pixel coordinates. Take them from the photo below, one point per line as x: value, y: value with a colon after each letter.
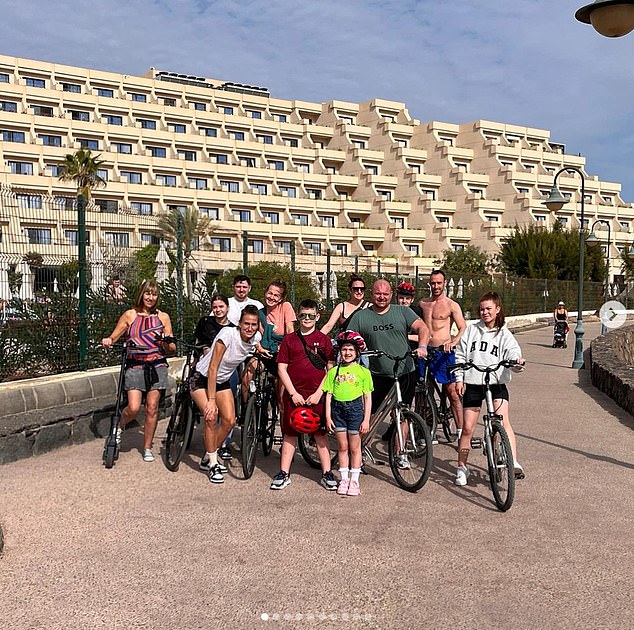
x: 440, y: 313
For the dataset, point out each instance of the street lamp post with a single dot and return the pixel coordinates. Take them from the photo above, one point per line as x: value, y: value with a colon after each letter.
x: 179, y: 273
x: 554, y: 203
x: 611, y: 18
x: 593, y: 240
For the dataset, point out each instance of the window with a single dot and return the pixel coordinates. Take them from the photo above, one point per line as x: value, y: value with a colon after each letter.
x: 243, y: 215
x: 462, y: 166
x: 71, y: 87
x: 608, y: 199
x: 199, y: 183
x: 20, y: 168
x: 231, y: 186
x: 159, y: 152
x: 113, y: 120
x: 494, y: 218
x: 259, y: 189
x: 272, y: 217
x: 210, y: 132
x: 88, y: 143
x: 411, y: 248
x: 373, y: 169
x: 303, y: 167
x: 105, y: 92
x: 399, y: 222
x: 227, y: 110
x: 12, y: 136
x: 220, y: 158
x: 314, y: 193
x: 122, y: 147
x: 264, y: 138
x: 479, y: 192
x: 65, y: 203
x: 106, y: 205
x: 150, y: 239
x: 236, y: 135
x: 200, y: 107
x: 53, y: 169
x: 147, y: 124
x: 528, y: 166
x: 103, y: 173
x: 117, y: 239
x: 223, y: 243
x: 166, y: 180
x: 347, y: 119
x: 50, y: 141
x: 77, y: 114
x: 359, y: 144
x: 29, y: 201
x: 523, y: 190
x: 254, y: 114
x: 71, y: 235
x: 41, y: 110
x: 291, y: 142
x: 290, y: 191
x: 301, y: 219
x: 176, y: 127
x: 327, y: 221
x: 277, y: 164
x: 444, y: 220
x: 625, y: 224
x: 457, y: 247
x: 280, y: 118
x: 402, y: 142
x: 212, y: 213
x: 429, y: 193
x: 285, y: 246
x: 257, y: 245
x: 8, y: 106
x: 563, y: 220
x: 142, y: 207
x: 341, y: 249
x: 38, y: 83
x: 586, y: 198
x: 138, y: 98
x: 249, y: 162
x: 169, y: 102
x: 540, y: 218
x: 38, y: 236
x: 188, y: 156
x: 4, y: 77
x: 385, y: 194
x: 131, y: 177
x: 315, y: 248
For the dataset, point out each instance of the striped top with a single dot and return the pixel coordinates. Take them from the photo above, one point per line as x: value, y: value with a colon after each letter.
x: 142, y: 333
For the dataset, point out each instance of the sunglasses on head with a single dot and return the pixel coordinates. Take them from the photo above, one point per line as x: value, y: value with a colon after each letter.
x: 307, y: 316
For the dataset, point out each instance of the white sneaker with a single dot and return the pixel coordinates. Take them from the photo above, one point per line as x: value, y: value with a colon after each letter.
x: 519, y: 471
x: 147, y: 455
x: 403, y: 462
x: 462, y: 472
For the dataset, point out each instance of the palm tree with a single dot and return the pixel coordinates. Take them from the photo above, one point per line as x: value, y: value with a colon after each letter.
x: 82, y: 168
x: 193, y: 227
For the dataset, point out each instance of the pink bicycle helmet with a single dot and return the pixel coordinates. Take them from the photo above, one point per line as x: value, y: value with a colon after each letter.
x: 351, y: 336
x: 405, y: 288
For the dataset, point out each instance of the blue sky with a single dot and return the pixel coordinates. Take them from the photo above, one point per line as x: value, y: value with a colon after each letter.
x: 525, y: 62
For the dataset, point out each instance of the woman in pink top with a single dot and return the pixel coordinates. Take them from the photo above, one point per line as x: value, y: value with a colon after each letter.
x: 146, y: 363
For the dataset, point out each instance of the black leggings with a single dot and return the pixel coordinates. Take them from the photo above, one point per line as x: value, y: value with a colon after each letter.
x: 383, y: 384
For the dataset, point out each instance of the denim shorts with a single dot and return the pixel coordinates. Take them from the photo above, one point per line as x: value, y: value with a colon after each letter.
x: 348, y: 415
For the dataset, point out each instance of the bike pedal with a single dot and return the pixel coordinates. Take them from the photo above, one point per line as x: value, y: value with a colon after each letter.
x: 476, y: 443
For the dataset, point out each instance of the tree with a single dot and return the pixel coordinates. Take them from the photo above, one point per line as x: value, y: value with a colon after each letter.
x: 82, y: 168
x: 552, y: 254
x: 471, y: 259
x: 194, y: 226
x: 627, y: 264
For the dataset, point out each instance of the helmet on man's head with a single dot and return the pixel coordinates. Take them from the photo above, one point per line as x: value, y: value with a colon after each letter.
x: 304, y: 420
x: 405, y: 288
x: 353, y: 337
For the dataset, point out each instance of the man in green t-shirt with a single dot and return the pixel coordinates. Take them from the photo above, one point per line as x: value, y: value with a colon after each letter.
x: 385, y: 326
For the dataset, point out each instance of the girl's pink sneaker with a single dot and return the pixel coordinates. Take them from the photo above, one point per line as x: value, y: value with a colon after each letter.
x: 343, y: 486
x: 353, y: 489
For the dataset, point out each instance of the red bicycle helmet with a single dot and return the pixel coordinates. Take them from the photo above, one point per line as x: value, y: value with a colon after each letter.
x: 351, y: 336
x: 304, y: 420
x: 405, y: 288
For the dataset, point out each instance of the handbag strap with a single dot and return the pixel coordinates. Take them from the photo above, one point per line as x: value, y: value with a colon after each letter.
x: 320, y: 354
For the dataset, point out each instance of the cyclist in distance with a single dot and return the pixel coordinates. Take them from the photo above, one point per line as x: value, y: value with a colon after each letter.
x: 441, y: 313
x: 240, y: 298
x: 146, y: 363
x: 342, y: 313
x: 211, y: 388
x: 485, y: 343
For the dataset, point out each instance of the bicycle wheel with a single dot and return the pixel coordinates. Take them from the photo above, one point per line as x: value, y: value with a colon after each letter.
x: 448, y: 421
x: 501, y: 472
x: 268, y: 418
x: 412, y: 465
x: 426, y: 407
x: 178, y: 432
x: 249, y: 438
x: 308, y: 448
x: 110, y: 451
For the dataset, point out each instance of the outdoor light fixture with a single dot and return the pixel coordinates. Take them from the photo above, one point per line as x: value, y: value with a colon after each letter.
x: 593, y: 241
x: 554, y: 203
x: 611, y: 18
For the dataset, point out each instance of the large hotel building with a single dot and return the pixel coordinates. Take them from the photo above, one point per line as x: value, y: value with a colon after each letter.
x: 365, y: 181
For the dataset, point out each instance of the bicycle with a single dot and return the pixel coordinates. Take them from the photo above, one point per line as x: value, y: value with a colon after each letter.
x: 430, y: 401
x: 260, y: 416
x: 496, y: 445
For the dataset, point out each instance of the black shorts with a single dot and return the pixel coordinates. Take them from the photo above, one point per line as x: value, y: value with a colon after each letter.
x: 474, y: 394
x: 198, y: 381
x: 383, y: 384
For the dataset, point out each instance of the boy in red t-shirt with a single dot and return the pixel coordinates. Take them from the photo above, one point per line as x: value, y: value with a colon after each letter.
x: 302, y: 387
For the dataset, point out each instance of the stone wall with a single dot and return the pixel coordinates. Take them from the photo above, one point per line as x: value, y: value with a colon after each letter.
x: 612, y: 366
x: 38, y: 415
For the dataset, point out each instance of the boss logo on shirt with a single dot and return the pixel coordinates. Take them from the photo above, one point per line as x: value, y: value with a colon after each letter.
x: 383, y: 327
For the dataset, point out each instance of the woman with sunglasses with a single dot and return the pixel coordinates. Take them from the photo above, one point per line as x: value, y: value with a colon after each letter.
x: 342, y: 313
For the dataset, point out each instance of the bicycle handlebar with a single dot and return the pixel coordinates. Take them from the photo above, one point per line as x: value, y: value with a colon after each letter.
x: 485, y: 369
x: 381, y: 353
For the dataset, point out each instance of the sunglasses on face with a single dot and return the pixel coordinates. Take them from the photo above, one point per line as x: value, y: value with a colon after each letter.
x: 307, y: 316
x: 355, y: 289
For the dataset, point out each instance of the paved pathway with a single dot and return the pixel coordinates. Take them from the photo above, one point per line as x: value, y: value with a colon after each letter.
x: 139, y: 547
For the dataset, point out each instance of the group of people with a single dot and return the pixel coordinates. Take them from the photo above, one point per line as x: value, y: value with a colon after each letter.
x: 320, y: 389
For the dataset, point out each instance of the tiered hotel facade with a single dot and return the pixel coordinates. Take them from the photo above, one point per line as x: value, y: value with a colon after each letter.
x: 363, y: 180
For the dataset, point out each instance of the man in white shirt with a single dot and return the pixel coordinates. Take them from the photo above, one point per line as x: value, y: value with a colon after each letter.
x: 240, y: 299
